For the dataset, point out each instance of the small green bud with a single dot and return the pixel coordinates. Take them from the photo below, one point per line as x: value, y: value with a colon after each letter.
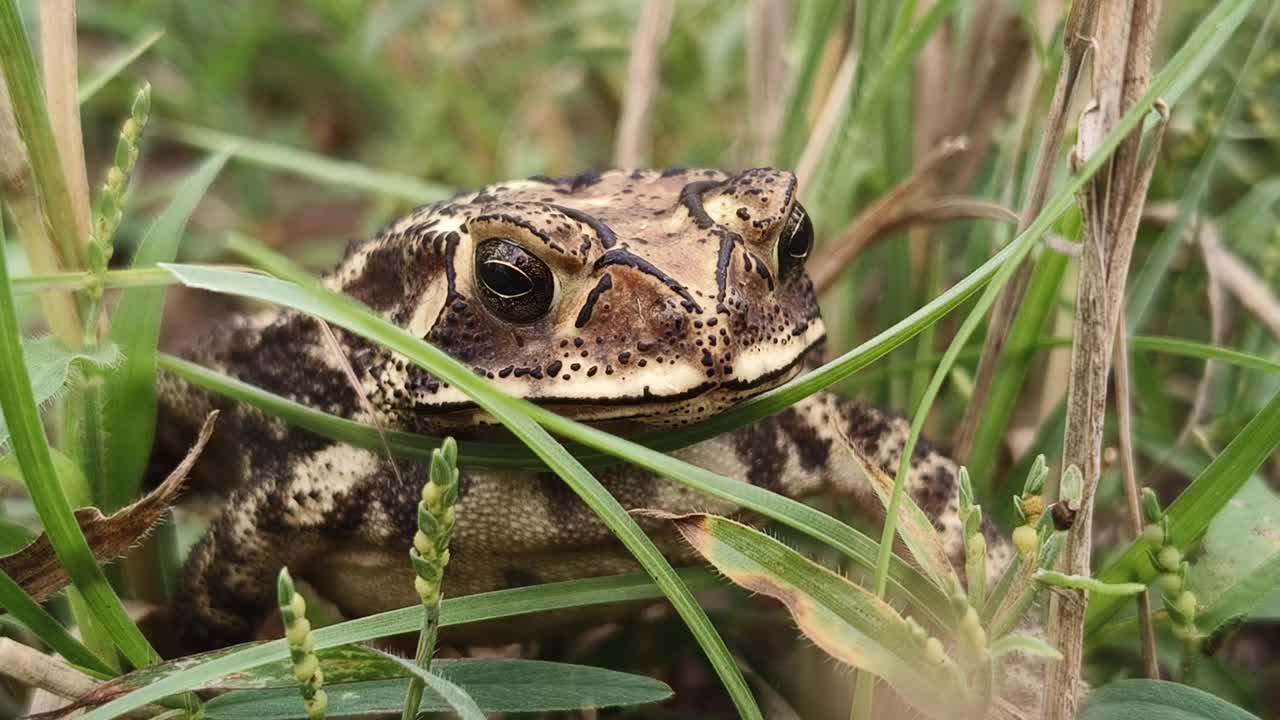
x: 297, y: 630
x: 1170, y: 583
x: 1187, y: 604
x: 1026, y: 539
x: 1169, y: 558
x: 1034, y: 484
x: 1182, y: 632
x: 303, y: 670
x: 1153, y: 534
x: 298, y: 605
x: 316, y: 705
x: 423, y: 545
x: 934, y: 652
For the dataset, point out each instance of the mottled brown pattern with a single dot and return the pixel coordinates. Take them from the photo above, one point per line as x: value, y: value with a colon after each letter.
x: 694, y: 316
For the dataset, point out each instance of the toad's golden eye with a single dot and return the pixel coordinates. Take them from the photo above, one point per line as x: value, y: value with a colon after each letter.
x: 796, y: 240
x: 514, y: 284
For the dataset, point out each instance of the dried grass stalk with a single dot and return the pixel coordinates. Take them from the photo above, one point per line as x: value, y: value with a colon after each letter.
x: 1111, y: 207
x: 642, y: 82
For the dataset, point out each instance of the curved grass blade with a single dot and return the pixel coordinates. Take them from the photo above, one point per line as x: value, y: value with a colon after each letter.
x: 90, y: 87
x: 130, y: 408
x: 848, y: 622
x: 309, y: 165
x: 149, y: 685
x: 354, y: 317
x: 32, y: 450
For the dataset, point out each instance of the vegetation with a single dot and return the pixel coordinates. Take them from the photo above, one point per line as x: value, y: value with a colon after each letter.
x: 1049, y: 236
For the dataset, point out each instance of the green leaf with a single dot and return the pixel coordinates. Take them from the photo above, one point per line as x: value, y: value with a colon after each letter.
x: 200, y: 670
x: 31, y: 447
x: 49, y: 363
x: 1190, y: 514
x: 1027, y: 644
x: 497, y: 686
x: 1093, y: 586
x: 1157, y: 700
x: 848, y: 622
x: 458, y: 699
x: 349, y: 314
x: 309, y: 165
x: 1238, y: 566
x: 130, y: 409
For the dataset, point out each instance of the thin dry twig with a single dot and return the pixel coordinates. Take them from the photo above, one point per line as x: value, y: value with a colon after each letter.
x: 33, y: 668
x: 1080, y: 22
x: 642, y: 82
x: 61, y: 87
x: 1128, y: 468
x: 869, y: 223
x: 1111, y: 208
x: 833, y: 108
x: 768, y: 23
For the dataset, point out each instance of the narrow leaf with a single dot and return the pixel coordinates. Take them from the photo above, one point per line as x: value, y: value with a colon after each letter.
x: 130, y: 411
x: 1094, y: 586
x: 849, y: 623
x: 1157, y: 700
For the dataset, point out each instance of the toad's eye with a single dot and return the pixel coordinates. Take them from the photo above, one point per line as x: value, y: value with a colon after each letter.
x: 514, y: 284
x: 796, y: 240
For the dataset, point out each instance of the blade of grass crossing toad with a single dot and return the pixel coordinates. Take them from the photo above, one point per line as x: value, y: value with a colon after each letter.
x: 822, y: 527
x: 183, y: 675
x: 1191, y: 512
x: 354, y: 317
x: 130, y: 408
x: 17, y: 403
x: 846, y: 621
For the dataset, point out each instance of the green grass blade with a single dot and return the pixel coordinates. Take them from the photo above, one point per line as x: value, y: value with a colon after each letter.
x: 32, y: 117
x: 456, y: 611
x: 1190, y: 514
x: 822, y: 527
x: 46, y: 627
x: 1154, y: 270
x: 32, y: 450
x: 352, y: 316
x: 90, y: 87
x: 846, y: 621
x: 457, y: 698
x: 1015, y: 363
x: 130, y: 408
x: 309, y: 165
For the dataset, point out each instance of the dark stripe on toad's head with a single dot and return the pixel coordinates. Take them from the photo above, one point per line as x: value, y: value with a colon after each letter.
x: 691, y: 198
x: 584, y: 315
x: 727, y: 242
x: 623, y: 257
x: 602, y: 231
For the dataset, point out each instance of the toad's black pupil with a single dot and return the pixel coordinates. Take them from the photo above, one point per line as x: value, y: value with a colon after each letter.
x: 801, y: 239
x: 505, y: 279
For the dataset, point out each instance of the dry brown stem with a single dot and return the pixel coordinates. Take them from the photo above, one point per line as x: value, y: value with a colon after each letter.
x: 1128, y: 468
x: 768, y: 22
x: 61, y: 87
x: 642, y: 82
x: 868, y: 224
x: 1111, y: 208
x: 1080, y: 22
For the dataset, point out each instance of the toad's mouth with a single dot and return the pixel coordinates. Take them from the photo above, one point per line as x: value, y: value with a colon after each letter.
x: 676, y: 401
